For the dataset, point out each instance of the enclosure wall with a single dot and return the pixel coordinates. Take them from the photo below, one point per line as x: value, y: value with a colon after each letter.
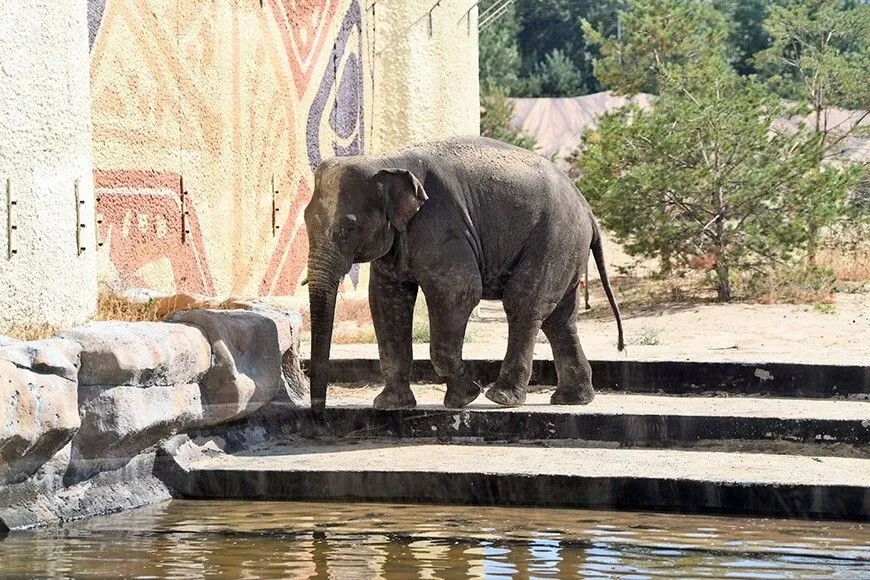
x: 47, y: 238
x: 200, y: 107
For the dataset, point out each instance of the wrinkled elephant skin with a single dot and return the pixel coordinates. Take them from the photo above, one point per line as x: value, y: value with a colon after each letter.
x: 462, y: 220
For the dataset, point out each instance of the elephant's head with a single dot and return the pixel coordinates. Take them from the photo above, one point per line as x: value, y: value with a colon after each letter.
x: 355, y: 214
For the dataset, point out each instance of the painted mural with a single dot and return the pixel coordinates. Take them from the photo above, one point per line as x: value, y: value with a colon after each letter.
x: 199, y: 108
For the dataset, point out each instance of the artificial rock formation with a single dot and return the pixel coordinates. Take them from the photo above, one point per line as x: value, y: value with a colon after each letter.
x: 81, y: 416
x: 246, y: 361
x: 38, y: 404
x: 140, y: 353
x: 137, y: 386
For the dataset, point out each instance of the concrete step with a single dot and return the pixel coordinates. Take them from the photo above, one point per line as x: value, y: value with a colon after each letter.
x: 797, y: 426
x: 664, y: 377
x: 429, y: 472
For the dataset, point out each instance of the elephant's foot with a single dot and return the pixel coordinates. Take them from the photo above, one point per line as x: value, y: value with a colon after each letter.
x: 392, y: 399
x: 572, y: 396
x: 506, y: 396
x: 461, y: 392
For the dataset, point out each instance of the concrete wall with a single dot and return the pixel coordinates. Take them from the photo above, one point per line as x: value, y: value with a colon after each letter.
x: 227, y: 97
x: 424, y: 65
x: 45, y: 146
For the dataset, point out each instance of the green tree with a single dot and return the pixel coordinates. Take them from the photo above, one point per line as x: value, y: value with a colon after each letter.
x: 820, y: 56
x: 703, y: 179
x: 746, y: 34
x: 517, y: 50
x: 655, y: 35
x: 498, y: 55
x: 556, y: 76
x: 819, y: 53
x: 495, y: 120
x: 545, y: 27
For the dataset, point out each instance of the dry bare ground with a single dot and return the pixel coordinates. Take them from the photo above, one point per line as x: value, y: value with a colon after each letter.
x: 691, y: 331
x: 678, y: 319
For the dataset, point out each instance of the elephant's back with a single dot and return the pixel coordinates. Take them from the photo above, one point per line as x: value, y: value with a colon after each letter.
x: 501, y: 172
x: 506, y: 199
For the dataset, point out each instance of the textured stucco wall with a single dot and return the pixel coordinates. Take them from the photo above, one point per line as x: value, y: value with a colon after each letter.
x: 45, y: 146
x: 228, y: 96
x: 425, y: 71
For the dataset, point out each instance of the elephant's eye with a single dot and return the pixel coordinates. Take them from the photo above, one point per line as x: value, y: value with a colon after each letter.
x: 348, y: 225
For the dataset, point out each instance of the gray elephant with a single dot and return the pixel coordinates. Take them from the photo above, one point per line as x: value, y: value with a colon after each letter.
x: 463, y: 219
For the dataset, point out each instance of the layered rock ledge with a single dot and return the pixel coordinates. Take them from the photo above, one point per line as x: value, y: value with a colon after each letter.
x: 82, y: 414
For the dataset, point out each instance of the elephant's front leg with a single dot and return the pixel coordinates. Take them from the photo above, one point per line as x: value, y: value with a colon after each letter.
x: 392, y: 306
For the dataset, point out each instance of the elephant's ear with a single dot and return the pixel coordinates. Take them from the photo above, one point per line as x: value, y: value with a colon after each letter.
x: 404, y: 195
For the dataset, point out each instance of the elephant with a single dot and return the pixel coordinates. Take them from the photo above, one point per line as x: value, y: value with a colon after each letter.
x: 462, y: 219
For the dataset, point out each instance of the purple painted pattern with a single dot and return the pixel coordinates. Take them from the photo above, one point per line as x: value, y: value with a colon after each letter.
x: 346, y: 114
x: 95, y: 18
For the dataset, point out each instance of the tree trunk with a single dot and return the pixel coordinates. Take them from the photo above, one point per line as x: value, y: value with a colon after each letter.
x: 723, y: 283
x: 812, y: 242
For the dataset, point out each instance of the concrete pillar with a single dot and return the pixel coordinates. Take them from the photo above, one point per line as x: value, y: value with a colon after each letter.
x: 424, y: 66
x: 45, y: 148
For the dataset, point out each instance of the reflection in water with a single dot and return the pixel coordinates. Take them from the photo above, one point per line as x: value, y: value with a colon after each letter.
x: 184, y: 539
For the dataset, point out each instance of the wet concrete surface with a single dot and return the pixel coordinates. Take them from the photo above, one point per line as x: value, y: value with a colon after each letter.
x: 432, y: 472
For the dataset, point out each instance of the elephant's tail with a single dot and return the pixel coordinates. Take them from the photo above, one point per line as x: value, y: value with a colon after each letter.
x: 598, y: 252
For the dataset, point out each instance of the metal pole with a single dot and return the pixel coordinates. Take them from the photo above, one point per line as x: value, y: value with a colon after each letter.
x: 79, y: 225
x: 184, y: 230
x: 10, y: 227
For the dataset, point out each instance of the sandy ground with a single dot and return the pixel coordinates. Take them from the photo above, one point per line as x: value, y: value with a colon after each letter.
x: 702, y: 332
x: 735, y: 332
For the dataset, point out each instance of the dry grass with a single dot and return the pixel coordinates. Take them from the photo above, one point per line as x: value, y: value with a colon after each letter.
x: 354, y: 325
x: 29, y: 332
x: 112, y: 306
x: 837, y: 272
x: 647, y: 336
x: 639, y: 295
x: 351, y: 333
x: 851, y: 265
x: 115, y: 307
x: 779, y: 289
x: 354, y: 310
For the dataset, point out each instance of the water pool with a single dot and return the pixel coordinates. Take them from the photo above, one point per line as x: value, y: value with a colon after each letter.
x: 242, y: 539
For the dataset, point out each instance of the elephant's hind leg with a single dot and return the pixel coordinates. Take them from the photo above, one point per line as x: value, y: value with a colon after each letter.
x: 572, y: 367
x: 530, y: 295
x: 392, y: 306
x: 448, y: 319
x: 509, y: 390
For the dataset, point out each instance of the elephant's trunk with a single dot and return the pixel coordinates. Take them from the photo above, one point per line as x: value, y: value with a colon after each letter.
x: 325, y: 271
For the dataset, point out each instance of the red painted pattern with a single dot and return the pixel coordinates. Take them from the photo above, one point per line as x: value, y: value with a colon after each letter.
x: 141, y: 220
x: 304, y: 26
x: 290, y: 258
